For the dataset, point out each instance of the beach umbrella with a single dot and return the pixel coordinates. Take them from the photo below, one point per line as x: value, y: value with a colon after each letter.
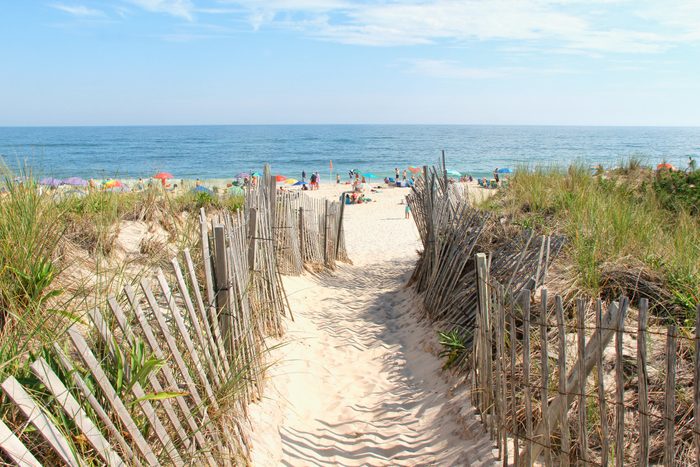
x: 75, y: 181
x: 243, y: 175
x: 236, y: 190
x: 255, y: 174
x: 202, y: 189
x: 50, y: 181
x: 453, y: 173
x: 300, y: 183
x: 665, y: 165
x: 163, y: 176
x: 369, y: 175
x: 113, y: 184
x: 415, y: 170
x: 290, y: 181
x: 280, y: 178
x: 505, y: 170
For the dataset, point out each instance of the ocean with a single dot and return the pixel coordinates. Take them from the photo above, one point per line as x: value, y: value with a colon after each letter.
x: 223, y: 151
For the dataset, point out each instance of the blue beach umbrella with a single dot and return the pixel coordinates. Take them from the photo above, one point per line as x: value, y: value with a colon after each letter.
x: 202, y: 189
x: 300, y: 183
x: 369, y: 175
x: 505, y: 171
x: 453, y: 173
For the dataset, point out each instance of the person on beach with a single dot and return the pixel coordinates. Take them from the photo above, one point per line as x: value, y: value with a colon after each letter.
x: 495, y: 175
x: 407, y: 210
x: 303, y: 175
x: 403, y: 175
x: 337, y: 179
x: 692, y: 165
x: 313, y: 181
x: 396, y: 173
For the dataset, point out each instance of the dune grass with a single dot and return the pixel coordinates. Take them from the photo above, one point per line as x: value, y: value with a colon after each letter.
x: 616, y: 220
x: 35, y: 311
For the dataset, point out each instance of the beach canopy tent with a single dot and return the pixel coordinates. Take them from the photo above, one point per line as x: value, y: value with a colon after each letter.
x: 280, y: 178
x: 505, y: 170
x: 163, y: 176
x: 74, y: 181
x: 665, y: 166
x: 414, y: 170
x: 453, y: 173
x: 50, y: 181
x: 202, y: 189
x: 243, y: 175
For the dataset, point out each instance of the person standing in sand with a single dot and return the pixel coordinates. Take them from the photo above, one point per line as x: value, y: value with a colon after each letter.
x: 404, y: 175
x: 303, y: 175
x: 396, y: 173
x: 337, y: 179
x: 407, y: 210
x: 495, y: 175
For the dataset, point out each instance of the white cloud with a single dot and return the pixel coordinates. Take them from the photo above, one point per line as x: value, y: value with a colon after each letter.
x: 179, y: 8
x: 77, y: 10
x: 613, y: 26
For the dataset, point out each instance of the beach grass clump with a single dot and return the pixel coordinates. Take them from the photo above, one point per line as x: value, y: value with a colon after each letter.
x: 625, y: 235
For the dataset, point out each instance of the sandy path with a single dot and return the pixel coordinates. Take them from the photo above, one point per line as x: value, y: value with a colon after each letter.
x: 356, y: 382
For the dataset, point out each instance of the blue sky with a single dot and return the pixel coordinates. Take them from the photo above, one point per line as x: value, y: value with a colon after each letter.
x: 569, y: 62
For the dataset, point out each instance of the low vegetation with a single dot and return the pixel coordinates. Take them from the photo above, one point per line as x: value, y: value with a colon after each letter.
x: 630, y: 230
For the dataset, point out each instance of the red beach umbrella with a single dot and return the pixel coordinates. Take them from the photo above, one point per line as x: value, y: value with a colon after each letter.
x: 414, y: 170
x: 280, y: 178
x: 163, y: 175
x: 665, y: 165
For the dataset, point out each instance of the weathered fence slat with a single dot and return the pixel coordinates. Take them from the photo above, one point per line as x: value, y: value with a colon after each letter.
x: 41, y: 422
x: 582, y: 402
x: 72, y: 407
x: 602, y: 401
x: 15, y: 450
x: 619, y: 391
x: 546, y: 439
x: 103, y: 382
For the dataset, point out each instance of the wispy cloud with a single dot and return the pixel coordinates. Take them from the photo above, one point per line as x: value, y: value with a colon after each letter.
x: 78, y: 10
x: 179, y: 8
x: 613, y: 26
x: 451, y: 69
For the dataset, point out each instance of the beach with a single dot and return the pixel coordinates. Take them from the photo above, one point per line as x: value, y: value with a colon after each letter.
x: 356, y: 380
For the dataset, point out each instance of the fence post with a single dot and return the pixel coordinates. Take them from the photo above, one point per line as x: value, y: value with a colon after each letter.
x: 325, y: 233
x: 302, y: 243
x: 483, y: 326
x: 670, y: 400
x: 696, y: 403
x: 252, y: 241
x: 643, y: 390
x: 222, y: 278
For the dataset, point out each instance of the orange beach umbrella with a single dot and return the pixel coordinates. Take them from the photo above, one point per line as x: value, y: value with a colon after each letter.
x: 665, y: 165
x: 163, y: 175
x: 280, y: 178
x: 414, y: 170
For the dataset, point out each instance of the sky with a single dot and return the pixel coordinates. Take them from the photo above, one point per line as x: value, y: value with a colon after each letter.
x: 534, y: 62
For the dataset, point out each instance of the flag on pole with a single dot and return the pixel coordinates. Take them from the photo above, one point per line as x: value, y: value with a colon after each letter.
x: 331, y: 164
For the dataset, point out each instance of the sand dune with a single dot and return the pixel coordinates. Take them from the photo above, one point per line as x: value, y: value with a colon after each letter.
x: 356, y: 381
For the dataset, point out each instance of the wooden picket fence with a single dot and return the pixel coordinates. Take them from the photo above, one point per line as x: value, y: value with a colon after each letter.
x: 174, y: 363
x: 540, y: 405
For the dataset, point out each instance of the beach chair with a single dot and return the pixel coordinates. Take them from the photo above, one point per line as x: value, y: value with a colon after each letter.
x: 493, y: 183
